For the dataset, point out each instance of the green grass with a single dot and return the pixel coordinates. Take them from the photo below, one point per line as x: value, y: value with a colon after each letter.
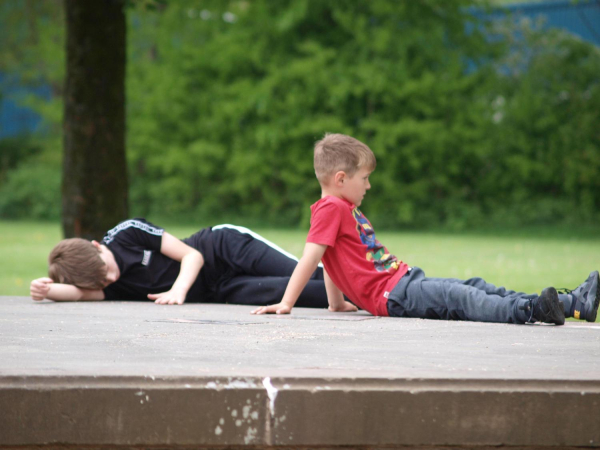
x: 24, y: 249
x: 526, y: 263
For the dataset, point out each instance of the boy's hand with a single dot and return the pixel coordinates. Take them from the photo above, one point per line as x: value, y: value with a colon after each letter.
x: 306, y: 266
x: 344, y: 307
x: 278, y: 308
x: 39, y: 288
x: 168, y: 298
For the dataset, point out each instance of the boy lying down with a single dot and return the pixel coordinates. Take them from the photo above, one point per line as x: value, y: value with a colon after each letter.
x: 137, y: 260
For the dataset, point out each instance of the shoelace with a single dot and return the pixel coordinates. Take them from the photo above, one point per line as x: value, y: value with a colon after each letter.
x: 528, y: 307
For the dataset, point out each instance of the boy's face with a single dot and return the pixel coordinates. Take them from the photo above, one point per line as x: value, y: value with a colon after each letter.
x: 355, y: 187
x: 112, y: 269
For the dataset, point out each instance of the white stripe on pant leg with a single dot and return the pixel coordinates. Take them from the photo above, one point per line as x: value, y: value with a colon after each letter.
x: 257, y: 236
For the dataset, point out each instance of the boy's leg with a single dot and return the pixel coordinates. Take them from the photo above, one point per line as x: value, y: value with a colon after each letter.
x: 442, y: 298
x: 568, y: 298
x: 262, y: 291
x: 481, y: 284
x: 250, y: 254
x: 567, y: 302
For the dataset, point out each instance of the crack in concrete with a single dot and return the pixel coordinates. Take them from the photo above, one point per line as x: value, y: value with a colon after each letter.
x: 205, y: 322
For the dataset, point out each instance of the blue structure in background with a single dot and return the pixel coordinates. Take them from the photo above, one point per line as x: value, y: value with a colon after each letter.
x: 581, y: 18
x: 15, y: 119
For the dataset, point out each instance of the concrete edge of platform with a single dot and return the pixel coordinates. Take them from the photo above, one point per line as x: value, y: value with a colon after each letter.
x: 328, y: 412
x: 299, y: 383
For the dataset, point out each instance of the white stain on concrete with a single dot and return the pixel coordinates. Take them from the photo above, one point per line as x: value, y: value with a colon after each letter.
x: 246, y: 411
x: 239, y: 384
x: 322, y: 388
x: 250, y: 435
x: 218, y: 430
x: 231, y: 383
x: 271, y: 393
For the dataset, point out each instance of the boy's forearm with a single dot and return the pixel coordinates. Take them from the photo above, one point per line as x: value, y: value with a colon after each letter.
x: 335, y: 297
x: 190, y: 268
x: 302, y: 273
x: 298, y: 280
x: 69, y: 293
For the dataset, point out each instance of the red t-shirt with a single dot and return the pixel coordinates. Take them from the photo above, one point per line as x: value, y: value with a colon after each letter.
x: 359, y: 265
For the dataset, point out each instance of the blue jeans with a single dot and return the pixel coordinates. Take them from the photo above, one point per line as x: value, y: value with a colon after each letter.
x: 415, y: 295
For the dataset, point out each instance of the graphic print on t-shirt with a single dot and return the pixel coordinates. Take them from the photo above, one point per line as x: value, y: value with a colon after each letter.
x: 132, y: 223
x: 146, y: 258
x: 376, y: 252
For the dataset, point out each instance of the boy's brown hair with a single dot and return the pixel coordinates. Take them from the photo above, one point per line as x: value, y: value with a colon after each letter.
x: 337, y: 152
x: 76, y: 261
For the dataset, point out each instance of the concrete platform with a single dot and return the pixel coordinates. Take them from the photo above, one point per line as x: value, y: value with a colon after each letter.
x: 136, y: 375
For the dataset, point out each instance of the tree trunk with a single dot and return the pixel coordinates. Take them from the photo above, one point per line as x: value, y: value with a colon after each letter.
x: 94, y: 189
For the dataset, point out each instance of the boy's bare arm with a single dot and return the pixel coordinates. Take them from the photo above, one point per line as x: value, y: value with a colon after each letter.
x: 45, y: 288
x: 335, y: 297
x: 191, y: 263
x: 302, y: 273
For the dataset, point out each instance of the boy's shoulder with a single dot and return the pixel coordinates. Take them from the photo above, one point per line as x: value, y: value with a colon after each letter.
x: 331, y: 208
x: 331, y: 202
x: 132, y: 229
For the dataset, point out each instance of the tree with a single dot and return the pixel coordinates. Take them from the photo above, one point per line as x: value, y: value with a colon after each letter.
x: 94, y: 189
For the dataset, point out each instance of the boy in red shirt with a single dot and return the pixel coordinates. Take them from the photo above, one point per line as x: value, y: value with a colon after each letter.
x: 359, y: 266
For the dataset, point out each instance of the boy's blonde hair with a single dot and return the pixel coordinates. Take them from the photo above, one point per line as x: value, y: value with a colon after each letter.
x: 76, y: 261
x: 337, y: 152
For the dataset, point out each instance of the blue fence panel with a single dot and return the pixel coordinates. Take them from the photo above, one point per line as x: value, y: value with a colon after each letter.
x: 16, y: 119
x: 581, y: 18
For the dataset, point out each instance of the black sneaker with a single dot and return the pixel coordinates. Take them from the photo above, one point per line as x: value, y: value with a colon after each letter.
x: 586, y: 298
x: 546, y: 308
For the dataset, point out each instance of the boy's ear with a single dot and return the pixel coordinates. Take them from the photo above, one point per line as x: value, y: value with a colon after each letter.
x: 339, y: 177
x: 96, y: 244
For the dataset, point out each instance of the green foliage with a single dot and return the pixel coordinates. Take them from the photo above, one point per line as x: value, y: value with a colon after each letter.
x: 32, y: 55
x: 250, y: 98
x: 14, y: 150
x: 543, y: 136
x: 226, y: 99
x: 32, y: 42
x: 29, y: 178
x: 31, y: 191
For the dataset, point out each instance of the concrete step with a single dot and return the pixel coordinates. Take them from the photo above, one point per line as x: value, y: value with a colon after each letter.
x: 139, y: 375
x: 206, y: 411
